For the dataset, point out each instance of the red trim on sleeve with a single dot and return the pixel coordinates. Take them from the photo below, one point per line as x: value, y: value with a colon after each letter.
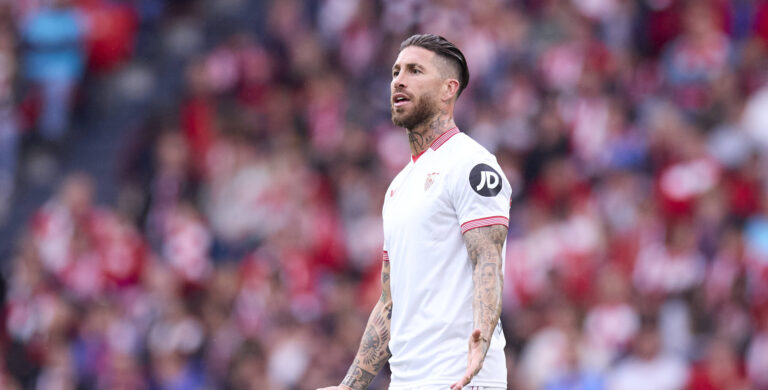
x: 386, y: 256
x: 482, y: 222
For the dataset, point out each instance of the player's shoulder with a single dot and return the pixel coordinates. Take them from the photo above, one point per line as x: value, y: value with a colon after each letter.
x: 466, y: 150
x: 471, y: 166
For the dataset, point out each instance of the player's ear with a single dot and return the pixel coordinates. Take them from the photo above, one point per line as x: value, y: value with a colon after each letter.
x: 450, y: 89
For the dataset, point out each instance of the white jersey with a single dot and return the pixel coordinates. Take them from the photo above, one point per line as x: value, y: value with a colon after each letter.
x: 454, y: 186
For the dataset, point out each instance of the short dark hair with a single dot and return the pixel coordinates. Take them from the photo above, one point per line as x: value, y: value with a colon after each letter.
x: 445, y: 49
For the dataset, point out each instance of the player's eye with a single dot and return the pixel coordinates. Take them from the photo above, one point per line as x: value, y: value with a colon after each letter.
x: 415, y: 71
x: 395, y: 73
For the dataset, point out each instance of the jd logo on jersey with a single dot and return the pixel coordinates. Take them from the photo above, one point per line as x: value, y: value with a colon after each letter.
x: 484, y: 180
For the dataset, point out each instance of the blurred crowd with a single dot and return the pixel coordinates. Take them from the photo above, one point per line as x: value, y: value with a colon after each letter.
x: 243, y: 250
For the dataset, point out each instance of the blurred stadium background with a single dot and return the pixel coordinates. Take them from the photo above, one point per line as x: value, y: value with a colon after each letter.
x: 190, y: 190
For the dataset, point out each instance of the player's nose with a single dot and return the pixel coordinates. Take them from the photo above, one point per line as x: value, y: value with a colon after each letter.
x: 398, y: 82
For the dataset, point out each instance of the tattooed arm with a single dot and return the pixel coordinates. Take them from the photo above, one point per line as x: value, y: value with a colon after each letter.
x: 484, y: 246
x: 374, y: 347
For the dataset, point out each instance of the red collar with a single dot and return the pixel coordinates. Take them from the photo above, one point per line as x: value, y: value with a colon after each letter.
x: 436, y: 144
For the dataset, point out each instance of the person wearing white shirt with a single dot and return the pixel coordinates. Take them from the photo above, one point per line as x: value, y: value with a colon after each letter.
x: 445, y: 220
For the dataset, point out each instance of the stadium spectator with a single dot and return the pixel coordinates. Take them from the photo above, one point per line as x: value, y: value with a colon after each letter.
x: 54, y: 62
x: 573, y: 376
x: 720, y: 369
x: 9, y: 125
x: 648, y: 366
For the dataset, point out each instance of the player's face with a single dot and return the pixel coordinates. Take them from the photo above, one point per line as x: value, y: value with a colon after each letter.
x: 416, y: 82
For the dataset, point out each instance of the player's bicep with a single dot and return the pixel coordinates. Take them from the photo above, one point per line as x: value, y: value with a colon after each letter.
x: 484, y: 244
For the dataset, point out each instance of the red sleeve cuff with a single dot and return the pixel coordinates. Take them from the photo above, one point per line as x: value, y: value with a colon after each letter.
x: 386, y: 256
x: 482, y: 222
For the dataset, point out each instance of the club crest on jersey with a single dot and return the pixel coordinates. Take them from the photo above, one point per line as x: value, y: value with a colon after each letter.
x: 430, y: 180
x: 484, y: 180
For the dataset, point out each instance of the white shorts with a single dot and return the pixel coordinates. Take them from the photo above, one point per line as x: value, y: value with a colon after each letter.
x: 483, y: 388
x: 464, y: 388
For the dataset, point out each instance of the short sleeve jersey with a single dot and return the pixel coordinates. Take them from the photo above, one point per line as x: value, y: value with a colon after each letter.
x: 454, y: 186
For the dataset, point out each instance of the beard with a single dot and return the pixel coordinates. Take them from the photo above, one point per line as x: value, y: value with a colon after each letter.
x: 424, y: 108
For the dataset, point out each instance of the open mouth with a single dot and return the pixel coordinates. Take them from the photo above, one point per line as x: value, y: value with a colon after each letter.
x: 400, y: 99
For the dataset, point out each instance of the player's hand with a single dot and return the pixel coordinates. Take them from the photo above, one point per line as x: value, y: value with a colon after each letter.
x: 477, y: 348
x: 339, y: 387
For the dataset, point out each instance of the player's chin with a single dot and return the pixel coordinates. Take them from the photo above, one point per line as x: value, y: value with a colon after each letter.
x: 397, y: 111
x: 398, y: 116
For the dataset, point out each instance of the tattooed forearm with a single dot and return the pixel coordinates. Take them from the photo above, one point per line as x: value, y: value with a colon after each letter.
x: 357, y: 378
x: 374, y: 347
x: 484, y: 246
x: 487, y: 297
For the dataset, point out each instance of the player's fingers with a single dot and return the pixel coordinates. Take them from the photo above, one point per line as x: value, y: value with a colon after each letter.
x: 463, y: 382
x: 472, y: 368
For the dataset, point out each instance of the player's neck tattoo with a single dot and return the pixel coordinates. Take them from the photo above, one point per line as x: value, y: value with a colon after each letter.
x: 422, y: 136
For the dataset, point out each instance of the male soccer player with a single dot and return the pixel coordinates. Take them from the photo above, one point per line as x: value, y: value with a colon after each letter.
x: 445, y: 226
